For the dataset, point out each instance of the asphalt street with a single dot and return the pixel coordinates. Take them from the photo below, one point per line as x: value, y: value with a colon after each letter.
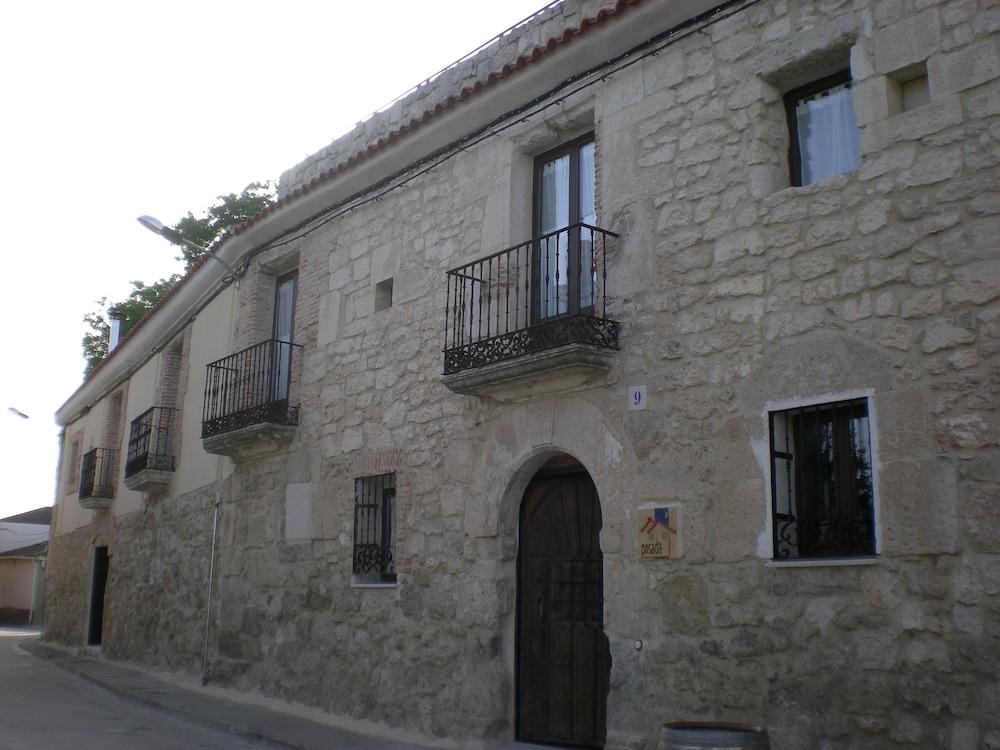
x: 43, y: 707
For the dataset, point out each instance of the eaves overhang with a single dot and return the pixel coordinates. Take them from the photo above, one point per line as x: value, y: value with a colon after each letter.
x: 540, y: 75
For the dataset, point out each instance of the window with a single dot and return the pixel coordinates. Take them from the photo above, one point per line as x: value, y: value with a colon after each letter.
x: 824, y: 134
x: 282, y: 327
x: 908, y: 88
x: 821, y: 481
x: 564, y: 199
x: 72, y: 479
x: 383, y: 295
x: 375, y: 529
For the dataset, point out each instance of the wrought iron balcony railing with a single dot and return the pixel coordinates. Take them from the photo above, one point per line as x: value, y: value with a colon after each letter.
x: 538, y: 295
x: 97, y: 473
x: 249, y: 387
x: 150, y: 441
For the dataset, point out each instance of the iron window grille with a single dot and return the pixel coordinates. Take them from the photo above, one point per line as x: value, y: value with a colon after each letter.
x: 149, y: 441
x: 821, y: 481
x: 97, y: 473
x: 375, y: 529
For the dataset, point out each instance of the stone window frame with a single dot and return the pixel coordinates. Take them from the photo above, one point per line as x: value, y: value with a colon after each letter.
x: 766, y: 547
x: 386, y: 576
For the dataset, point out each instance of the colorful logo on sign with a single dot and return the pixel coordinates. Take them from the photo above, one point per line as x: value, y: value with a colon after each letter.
x: 656, y: 533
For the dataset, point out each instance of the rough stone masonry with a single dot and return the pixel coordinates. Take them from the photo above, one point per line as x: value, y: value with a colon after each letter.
x: 735, y: 291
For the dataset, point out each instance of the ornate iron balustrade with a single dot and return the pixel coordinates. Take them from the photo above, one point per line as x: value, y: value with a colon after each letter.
x: 538, y: 295
x: 828, y: 536
x: 150, y: 441
x: 249, y: 387
x: 97, y: 473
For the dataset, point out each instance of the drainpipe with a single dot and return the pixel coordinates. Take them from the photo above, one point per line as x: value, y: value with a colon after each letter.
x: 211, y: 580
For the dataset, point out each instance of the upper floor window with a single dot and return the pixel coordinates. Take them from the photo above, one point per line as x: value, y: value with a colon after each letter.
x: 821, y: 481
x: 564, y: 199
x: 825, y: 140
x: 282, y: 329
x: 71, y: 481
x: 375, y: 529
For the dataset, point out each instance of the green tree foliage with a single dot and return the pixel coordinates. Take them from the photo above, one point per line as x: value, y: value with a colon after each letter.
x: 140, y: 301
x: 228, y: 211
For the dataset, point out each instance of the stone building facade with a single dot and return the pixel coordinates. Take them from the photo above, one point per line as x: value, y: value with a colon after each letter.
x: 796, y: 376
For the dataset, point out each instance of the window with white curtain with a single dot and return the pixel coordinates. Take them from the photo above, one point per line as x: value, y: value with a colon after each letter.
x: 825, y: 139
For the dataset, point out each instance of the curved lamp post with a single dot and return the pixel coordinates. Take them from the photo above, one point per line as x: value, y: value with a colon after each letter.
x: 171, y: 235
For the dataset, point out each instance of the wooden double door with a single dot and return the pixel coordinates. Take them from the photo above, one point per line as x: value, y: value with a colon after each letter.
x: 563, y: 657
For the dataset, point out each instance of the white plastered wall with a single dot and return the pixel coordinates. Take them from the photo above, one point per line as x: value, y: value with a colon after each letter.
x: 211, y: 337
x: 141, y: 396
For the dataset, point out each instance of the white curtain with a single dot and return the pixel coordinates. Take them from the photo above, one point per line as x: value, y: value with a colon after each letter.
x: 554, y: 212
x: 588, y: 215
x: 829, y: 141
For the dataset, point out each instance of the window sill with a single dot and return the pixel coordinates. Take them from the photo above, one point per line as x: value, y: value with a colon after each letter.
x: 823, y: 562
x: 355, y: 585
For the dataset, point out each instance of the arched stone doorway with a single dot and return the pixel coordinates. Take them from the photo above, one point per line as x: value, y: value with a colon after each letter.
x: 563, y: 659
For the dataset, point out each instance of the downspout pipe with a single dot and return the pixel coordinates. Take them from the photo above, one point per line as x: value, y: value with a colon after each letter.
x: 211, y: 580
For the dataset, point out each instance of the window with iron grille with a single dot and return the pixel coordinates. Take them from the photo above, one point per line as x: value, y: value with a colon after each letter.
x: 375, y: 529
x: 821, y: 481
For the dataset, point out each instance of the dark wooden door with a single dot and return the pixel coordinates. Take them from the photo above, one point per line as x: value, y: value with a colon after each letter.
x: 99, y: 582
x: 563, y: 658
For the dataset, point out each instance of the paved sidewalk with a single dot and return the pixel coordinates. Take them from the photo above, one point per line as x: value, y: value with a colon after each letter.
x: 246, y: 720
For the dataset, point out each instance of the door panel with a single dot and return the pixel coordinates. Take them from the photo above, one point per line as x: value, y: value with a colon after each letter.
x: 563, y: 658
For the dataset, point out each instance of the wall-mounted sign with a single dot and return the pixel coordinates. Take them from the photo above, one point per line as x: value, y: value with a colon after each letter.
x: 636, y: 397
x: 658, y: 533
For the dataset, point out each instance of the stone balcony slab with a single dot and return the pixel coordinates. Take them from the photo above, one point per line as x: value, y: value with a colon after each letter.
x: 95, y: 503
x: 565, y: 368
x: 152, y: 481
x: 251, y: 441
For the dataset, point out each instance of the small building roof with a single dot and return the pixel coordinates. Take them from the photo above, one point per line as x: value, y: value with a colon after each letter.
x: 32, y: 550
x: 42, y: 516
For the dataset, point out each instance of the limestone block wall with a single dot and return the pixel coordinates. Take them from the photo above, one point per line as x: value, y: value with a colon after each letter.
x: 157, y: 584
x: 736, y: 292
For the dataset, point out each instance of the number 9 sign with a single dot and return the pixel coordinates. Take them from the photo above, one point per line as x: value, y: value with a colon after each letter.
x: 637, y: 398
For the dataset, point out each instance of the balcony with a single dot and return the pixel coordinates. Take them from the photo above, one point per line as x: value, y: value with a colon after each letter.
x: 532, y: 318
x: 149, y: 464
x: 98, y: 470
x: 247, y: 409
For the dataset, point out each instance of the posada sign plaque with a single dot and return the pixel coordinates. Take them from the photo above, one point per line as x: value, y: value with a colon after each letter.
x: 658, y: 533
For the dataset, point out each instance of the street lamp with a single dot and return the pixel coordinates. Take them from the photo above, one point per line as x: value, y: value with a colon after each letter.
x: 172, y: 235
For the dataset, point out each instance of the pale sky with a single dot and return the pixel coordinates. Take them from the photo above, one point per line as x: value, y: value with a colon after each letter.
x: 109, y: 110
